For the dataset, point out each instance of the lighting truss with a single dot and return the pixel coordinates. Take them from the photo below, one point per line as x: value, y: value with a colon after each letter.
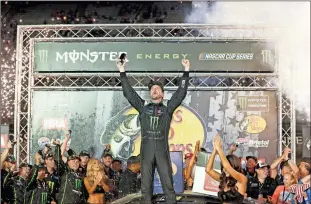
x: 28, y: 81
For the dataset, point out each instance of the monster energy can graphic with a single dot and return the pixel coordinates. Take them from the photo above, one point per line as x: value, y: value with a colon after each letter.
x: 44, y: 197
x: 154, y: 122
x: 78, y: 183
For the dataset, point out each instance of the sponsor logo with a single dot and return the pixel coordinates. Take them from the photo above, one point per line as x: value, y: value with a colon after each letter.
x: 44, y: 197
x: 259, y: 143
x: 226, y: 56
x: 154, y: 122
x: 253, y: 124
x: 85, y: 56
x: 253, y: 103
x: 42, y: 141
x: 158, y: 56
x: 43, y: 56
x: 54, y: 123
x: 266, y: 56
x: 242, y: 141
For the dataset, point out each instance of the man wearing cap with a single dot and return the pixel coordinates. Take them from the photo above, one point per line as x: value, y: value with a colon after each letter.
x: 117, y: 166
x: 113, y: 179
x: 250, y: 170
x: 84, y: 157
x: 51, y: 174
x: 129, y: 182
x: 20, y: 186
x: 39, y: 191
x: 262, y: 185
x: 72, y: 189
x: 155, y: 119
x: 7, y: 172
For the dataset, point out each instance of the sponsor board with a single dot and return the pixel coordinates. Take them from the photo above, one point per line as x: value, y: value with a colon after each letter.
x: 153, y: 56
x: 253, y: 124
x: 177, y: 171
x: 253, y: 103
x: 259, y: 143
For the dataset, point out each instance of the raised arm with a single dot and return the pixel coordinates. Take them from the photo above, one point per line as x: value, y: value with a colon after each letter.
x: 226, y: 165
x: 192, y: 162
x: 181, y: 92
x: 129, y: 93
x: 209, y: 169
x: 5, y: 153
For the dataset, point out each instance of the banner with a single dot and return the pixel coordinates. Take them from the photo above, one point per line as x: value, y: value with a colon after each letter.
x: 101, y: 117
x: 153, y: 56
x: 4, y: 136
x: 177, y: 163
x: 306, y: 142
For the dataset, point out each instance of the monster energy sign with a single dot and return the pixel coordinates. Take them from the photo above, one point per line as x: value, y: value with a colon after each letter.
x: 153, y: 56
x: 44, y: 197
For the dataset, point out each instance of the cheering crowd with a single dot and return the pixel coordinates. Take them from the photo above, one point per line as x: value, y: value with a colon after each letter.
x: 62, y: 176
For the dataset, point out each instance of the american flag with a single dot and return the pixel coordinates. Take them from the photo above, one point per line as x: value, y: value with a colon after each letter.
x: 298, y: 190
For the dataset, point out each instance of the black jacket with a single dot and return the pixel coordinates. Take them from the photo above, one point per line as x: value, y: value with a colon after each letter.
x: 129, y: 183
x: 39, y: 193
x: 19, y: 189
x: 255, y: 188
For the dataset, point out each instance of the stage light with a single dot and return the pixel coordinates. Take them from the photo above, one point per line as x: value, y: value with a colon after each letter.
x: 77, y: 19
x: 94, y: 19
x: 20, y: 20
x: 53, y: 19
x: 65, y: 17
x: 6, y: 2
x: 58, y: 18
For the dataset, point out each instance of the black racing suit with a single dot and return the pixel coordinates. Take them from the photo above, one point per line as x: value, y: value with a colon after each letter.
x: 255, y: 188
x: 5, y: 177
x: 155, y: 122
x: 19, y: 189
x: 40, y: 193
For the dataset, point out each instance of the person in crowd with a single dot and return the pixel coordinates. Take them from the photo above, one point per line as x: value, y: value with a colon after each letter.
x: 281, y: 194
x: 84, y: 157
x: 190, y: 164
x: 51, y: 174
x: 154, y: 118
x: 129, y: 181
x: 262, y: 185
x: 113, y: 178
x: 8, y: 171
x: 286, y: 166
x: 5, y: 152
x: 117, y: 166
x: 250, y: 170
x: 233, y: 183
x: 18, y: 187
x: 95, y: 182
x: 72, y: 189
x: 39, y: 191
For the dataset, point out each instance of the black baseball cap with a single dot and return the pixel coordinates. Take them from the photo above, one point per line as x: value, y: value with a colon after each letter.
x: 252, y: 157
x: 117, y: 160
x: 11, y: 159
x: 262, y: 165
x: 107, y: 154
x: 41, y: 167
x: 48, y: 155
x: 25, y: 165
x: 73, y: 157
x: 133, y: 160
x: 152, y: 83
x: 84, y: 153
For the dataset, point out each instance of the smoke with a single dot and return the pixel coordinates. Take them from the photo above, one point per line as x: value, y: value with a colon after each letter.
x: 293, y: 39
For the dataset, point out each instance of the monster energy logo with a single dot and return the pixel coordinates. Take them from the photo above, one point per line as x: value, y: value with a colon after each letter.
x: 154, y: 122
x: 44, y: 197
x: 242, y: 103
x: 43, y: 55
x: 266, y: 54
x: 50, y: 185
x: 78, y: 183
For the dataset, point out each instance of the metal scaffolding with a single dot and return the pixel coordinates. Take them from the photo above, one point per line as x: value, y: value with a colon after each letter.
x: 28, y: 81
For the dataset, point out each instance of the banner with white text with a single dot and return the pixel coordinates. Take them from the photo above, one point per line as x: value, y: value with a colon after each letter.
x: 153, y: 56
